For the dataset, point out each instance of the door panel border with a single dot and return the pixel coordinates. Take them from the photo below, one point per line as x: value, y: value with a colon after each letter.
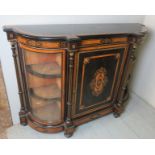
x: 117, y: 55
x: 75, y: 77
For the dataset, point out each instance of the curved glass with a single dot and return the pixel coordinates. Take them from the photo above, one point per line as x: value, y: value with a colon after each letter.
x: 44, y: 76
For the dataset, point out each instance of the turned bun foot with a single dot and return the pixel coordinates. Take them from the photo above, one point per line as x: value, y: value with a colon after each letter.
x: 23, y: 118
x: 69, y: 130
x: 116, y: 115
x: 68, y: 135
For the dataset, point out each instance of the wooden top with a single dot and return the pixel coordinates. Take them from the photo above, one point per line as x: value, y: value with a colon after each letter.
x: 74, y: 31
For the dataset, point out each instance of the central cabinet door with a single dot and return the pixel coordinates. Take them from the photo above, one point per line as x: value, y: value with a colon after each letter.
x: 45, y: 74
x: 97, y: 75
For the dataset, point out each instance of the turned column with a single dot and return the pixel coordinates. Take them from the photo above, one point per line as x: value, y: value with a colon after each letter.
x: 72, y: 49
x: 123, y: 95
x: 18, y: 69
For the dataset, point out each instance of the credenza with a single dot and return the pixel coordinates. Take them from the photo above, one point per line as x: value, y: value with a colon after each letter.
x: 71, y: 74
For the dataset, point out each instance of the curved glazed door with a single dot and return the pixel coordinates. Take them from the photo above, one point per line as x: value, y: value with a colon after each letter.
x: 45, y: 74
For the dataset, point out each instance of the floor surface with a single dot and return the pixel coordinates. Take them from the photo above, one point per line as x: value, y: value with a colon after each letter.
x: 5, y: 115
x: 138, y: 121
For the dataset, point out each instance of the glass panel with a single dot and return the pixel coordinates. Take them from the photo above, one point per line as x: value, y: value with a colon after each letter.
x: 44, y: 85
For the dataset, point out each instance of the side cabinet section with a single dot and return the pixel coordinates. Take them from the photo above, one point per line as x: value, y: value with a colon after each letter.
x: 44, y: 71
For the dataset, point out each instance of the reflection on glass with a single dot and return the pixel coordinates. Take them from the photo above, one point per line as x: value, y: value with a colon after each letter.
x: 44, y: 82
x: 48, y: 111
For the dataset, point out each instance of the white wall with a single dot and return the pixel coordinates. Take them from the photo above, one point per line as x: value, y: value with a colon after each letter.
x: 143, y: 83
x: 6, y: 54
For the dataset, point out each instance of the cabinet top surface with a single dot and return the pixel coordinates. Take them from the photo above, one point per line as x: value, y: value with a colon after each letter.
x: 64, y: 31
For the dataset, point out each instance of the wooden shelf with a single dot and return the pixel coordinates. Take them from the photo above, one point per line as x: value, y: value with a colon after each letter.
x: 45, y: 70
x: 47, y: 93
x: 35, y: 81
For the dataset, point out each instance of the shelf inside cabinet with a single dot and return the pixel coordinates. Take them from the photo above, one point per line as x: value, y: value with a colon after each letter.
x: 35, y: 81
x: 46, y: 93
x: 45, y: 70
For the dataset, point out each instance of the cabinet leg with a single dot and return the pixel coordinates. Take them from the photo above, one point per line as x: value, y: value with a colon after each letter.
x: 118, y: 109
x: 69, y: 130
x: 23, y: 118
x: 116, y: 114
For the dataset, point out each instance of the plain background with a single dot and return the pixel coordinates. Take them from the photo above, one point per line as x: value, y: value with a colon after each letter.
x: 143, y: 80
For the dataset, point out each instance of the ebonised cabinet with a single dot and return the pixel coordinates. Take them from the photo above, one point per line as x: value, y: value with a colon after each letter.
x: 71, y: 74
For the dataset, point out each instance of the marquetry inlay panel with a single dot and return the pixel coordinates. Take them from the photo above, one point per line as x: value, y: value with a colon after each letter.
x: 99, y: 81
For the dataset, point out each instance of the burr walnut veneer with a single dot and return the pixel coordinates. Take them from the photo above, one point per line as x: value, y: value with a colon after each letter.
x: 71, y: 74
